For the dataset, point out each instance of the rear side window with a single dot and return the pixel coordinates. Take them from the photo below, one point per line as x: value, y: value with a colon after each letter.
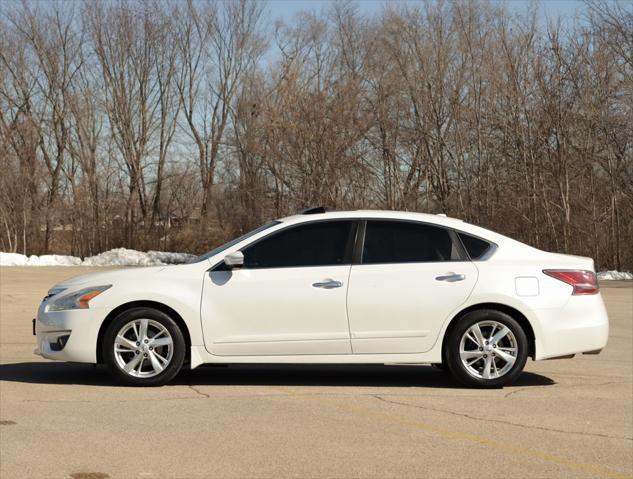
x: 314, y: 244
x: 475, y: 247
x: 404, y: 242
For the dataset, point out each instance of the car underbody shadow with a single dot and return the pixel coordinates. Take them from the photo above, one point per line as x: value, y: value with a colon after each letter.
x: 259, y: 374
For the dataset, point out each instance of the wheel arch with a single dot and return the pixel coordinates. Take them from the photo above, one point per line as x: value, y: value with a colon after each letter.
x: 517, y: 315
x: 172, y: 313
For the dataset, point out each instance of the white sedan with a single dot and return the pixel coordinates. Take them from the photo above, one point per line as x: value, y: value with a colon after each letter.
x: 340, y: 287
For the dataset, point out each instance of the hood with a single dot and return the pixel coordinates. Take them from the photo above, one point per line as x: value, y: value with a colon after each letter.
x: 108, y: 277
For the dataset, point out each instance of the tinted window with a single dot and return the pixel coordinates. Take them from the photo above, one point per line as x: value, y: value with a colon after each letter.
x: 314, y: 244
x: 402, y: 242
x: 226, y: 246
x: 475, y: 247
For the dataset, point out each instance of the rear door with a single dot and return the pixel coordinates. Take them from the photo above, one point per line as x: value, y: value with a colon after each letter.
x: 412, y: 276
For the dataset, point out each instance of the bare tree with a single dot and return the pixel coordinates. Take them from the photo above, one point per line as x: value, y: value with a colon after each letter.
x: 176, y: 125
x: 137, y: 67
x: 219, y: 43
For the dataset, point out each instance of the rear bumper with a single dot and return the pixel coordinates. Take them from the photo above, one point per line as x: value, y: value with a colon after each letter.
x: 581, y: 326
x: 81, y: 327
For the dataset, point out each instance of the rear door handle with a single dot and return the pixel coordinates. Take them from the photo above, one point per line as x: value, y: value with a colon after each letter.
x: 451, y: 277
x: 328, y: 284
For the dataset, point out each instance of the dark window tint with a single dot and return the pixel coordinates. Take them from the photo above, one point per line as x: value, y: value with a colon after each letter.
x: 314, y: 244
x: 475, y: 247
x: 402, y: 242
x: 226, y: 246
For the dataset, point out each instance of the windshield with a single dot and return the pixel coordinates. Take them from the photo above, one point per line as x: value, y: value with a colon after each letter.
x: 226, y: 246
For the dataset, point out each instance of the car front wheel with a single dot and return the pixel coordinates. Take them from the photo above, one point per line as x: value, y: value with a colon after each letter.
x: 487, y: 349
x: 143, y: 347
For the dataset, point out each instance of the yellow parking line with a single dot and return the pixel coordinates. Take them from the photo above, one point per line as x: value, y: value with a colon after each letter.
x: 447, y: 433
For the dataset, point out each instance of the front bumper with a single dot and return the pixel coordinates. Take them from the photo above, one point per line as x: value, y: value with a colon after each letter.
x: 81, y: 328
x: 581, y: 326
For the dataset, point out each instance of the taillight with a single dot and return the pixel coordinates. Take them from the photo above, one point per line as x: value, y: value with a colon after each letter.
x: 584, y: 282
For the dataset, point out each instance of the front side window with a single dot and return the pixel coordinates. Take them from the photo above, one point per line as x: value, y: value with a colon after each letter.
x: 321, y: 243
x: 407, y: 242
x: 233, y: 242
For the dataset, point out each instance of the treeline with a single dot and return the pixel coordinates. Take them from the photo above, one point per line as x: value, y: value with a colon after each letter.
x: 174, y: 125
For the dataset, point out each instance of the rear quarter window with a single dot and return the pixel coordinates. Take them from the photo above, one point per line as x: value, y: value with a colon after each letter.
x: 475, y: 247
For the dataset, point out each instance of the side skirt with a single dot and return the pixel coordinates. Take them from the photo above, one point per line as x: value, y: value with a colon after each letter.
x: 199, y: 355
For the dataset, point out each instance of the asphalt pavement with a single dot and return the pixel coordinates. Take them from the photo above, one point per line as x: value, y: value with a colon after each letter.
x: 563, y: 418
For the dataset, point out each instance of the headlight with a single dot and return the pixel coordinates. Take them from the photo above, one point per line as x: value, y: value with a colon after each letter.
x: 77, y: 300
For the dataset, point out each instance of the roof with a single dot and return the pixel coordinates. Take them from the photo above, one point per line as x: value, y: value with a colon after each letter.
x: 386, y: 214
x: 440, y: 220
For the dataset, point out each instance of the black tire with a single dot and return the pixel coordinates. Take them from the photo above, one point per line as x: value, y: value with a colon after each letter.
x: 177, y: 355
x: 460, y: 371
x: 443, y: 366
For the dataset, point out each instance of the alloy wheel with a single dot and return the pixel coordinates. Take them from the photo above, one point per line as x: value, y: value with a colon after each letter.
x: 143, y: 348
x: 488, y: 350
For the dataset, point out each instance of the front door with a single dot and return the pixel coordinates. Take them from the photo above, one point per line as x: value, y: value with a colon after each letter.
x: 411, y: 278
x: 288, y: 299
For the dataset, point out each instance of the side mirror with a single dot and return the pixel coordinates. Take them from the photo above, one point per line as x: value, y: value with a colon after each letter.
x: 234, y: 260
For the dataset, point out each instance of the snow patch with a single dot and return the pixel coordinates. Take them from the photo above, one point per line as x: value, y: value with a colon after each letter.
x: 114, y: 257
x: 53, y: 260
x: 614, y: 275
x: 13, y: 259
x: 130, y: 257
x: 16, y: 259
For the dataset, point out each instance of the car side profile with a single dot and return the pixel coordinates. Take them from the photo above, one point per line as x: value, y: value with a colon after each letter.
x: 335, y: 287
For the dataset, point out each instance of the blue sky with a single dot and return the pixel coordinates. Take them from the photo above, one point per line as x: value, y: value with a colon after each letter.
x: 286, y: 9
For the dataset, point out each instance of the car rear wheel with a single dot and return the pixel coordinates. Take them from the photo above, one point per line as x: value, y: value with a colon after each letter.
x: 143, y: 347
x: 487, y: 349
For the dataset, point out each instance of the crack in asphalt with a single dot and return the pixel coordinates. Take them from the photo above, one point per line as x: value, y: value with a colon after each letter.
x: 562, y: 386
x: 201, y: 395
x: 518, y: 390
x: 550, y: 374
x: 197, y: 391
x: 509, y: 423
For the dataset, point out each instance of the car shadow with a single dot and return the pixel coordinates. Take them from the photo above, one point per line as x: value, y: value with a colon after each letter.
x: 259, y: 375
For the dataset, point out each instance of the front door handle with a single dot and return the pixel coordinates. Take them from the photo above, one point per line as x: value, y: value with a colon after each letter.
x: 451, y: 277
x: 328, y: 284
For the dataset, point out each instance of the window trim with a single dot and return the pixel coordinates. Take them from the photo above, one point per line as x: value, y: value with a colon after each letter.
x: 492, y: 249
x: 461, y: 251
x: 349, y: 243
x: 359, y: 243
x: 354, y: 253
